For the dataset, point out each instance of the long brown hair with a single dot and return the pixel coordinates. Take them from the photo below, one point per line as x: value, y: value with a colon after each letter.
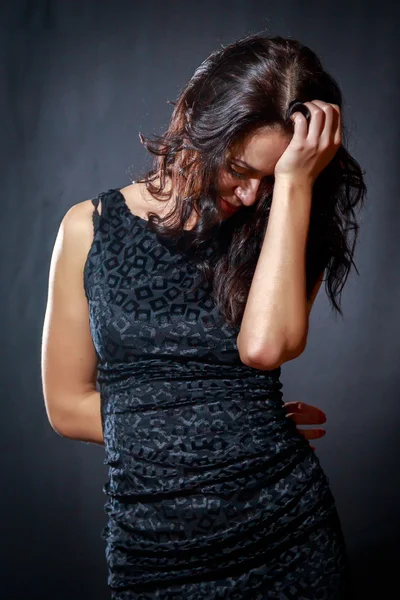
x: 247, y: 85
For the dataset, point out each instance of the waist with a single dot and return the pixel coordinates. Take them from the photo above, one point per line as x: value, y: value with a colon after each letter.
x: 181, y: 369
x: 157, y: 382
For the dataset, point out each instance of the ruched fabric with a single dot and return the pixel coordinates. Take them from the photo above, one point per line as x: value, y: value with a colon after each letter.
x: 212, y: 492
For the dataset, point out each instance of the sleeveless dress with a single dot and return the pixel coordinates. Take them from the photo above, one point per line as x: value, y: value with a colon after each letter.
x: 212, y: 492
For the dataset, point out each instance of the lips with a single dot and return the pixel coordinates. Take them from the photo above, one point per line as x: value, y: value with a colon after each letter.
x: 227, y: 207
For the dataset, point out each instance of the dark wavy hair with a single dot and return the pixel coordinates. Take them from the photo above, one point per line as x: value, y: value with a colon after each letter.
x: 247, y: 85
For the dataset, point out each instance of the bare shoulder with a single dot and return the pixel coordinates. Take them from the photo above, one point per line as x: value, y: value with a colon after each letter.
x: 72, y: 245
x: 80, y: 214
x: 73, y: 242
x: 77, y: 224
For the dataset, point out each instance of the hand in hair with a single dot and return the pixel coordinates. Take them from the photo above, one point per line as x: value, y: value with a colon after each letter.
x: 313, y: 145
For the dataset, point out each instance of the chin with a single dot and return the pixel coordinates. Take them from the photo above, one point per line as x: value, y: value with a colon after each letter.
x: 226, y: 208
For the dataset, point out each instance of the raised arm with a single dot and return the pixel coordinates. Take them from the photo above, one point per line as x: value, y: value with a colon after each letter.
x: 275, y: 321
x: 274, y: 327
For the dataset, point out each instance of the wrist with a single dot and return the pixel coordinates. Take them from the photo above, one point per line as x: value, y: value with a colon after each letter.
x: 294, y: 181
x: 293, y: 191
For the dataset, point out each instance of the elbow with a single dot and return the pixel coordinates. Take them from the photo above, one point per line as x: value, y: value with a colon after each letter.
x: 55, y: 424
x: 271, y: 358
x: 251, y: 357
x: 64, y: 429
x: 57, y: 419
x: 265, y: 362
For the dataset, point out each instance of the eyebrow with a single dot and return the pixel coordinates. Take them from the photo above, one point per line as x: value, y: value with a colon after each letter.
x: 244, y: 163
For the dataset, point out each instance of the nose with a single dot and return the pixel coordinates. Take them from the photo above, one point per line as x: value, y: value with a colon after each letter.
x: 247, y: 191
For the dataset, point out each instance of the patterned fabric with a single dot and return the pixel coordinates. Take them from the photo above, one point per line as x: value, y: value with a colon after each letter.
x: 212, y: 492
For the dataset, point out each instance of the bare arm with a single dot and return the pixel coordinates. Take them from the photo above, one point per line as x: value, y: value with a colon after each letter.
x: 84, y: 423
x: 69, y: 360
x: 275, y: 321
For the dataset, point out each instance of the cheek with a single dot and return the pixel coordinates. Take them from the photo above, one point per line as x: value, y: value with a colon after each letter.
x: 225, y: 183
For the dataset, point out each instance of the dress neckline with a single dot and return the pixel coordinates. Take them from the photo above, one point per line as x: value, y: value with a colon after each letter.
x: 126, y: 207
x: 135, y: 217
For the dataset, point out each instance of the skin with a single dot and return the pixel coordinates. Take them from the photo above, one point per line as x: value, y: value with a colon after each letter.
x: 270, y: 154
x: 238, y: 184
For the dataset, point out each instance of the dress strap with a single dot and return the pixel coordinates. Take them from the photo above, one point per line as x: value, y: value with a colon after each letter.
x: 109, y: 201
x: 95, y: 214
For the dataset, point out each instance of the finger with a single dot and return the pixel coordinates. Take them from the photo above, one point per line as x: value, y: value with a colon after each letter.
x: 317, y: 122
x: 328, y: 133
x: 306, y: 419
x: 338, y: 134
x: 305, y: 411
x: 337, y: 138
x: 300, y: 126
x: 333, y: 121
x: 298, y: 406
x: 312, y: 434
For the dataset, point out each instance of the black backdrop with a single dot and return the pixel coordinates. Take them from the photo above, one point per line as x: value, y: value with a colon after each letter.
x: 79, y: 81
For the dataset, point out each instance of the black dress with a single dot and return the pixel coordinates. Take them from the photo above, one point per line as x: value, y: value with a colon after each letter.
x: 212, y: 491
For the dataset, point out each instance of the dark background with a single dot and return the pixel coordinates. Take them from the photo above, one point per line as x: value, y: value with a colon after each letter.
x: 79, y: 80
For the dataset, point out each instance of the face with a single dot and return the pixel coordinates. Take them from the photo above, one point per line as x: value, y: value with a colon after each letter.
x: 248, y: 167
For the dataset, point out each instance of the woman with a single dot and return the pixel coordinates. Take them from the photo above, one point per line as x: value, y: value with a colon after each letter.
x: 197, y: 286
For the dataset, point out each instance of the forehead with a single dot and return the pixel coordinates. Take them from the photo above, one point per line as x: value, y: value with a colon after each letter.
x: 262, y: 149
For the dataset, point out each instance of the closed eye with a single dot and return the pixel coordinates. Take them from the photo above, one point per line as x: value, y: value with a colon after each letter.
x: 268, y: 178
x: 236, y: 173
